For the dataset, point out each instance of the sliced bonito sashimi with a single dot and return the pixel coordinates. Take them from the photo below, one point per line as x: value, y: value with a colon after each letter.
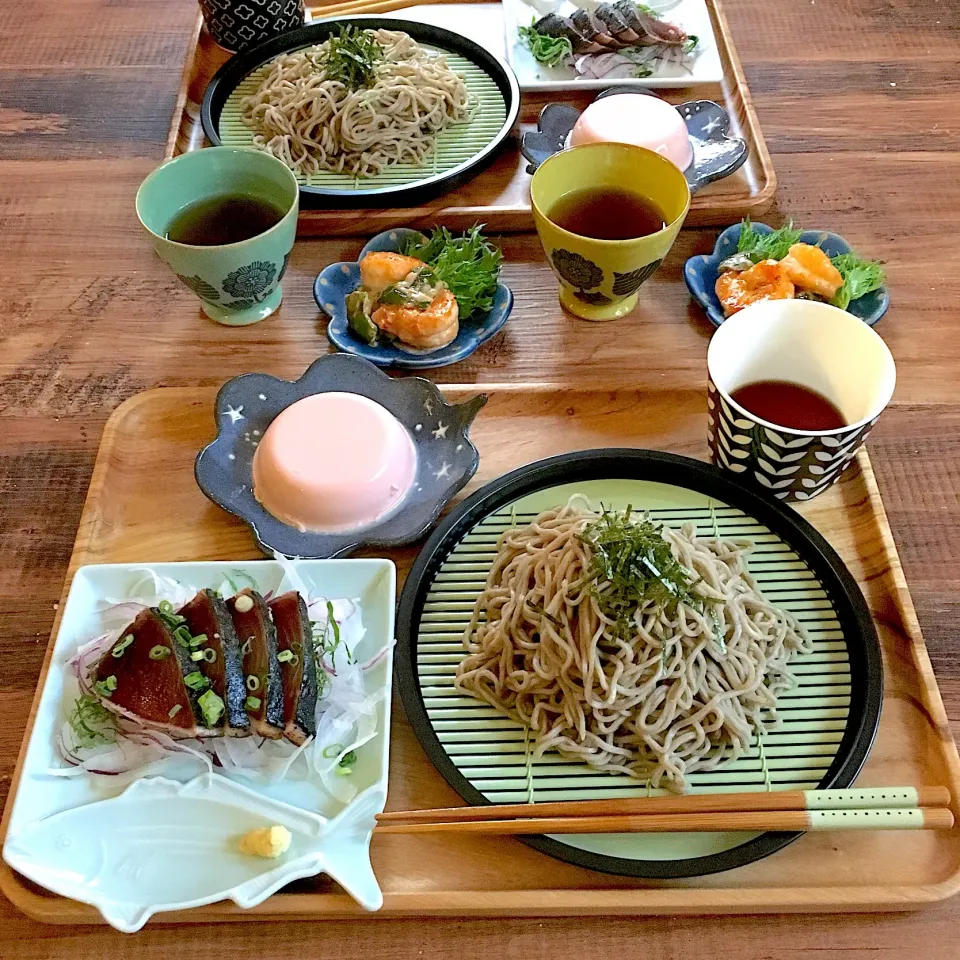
x: 297, y: 666
x: 140, y: 677
x: 214, y: 637
x: 258, y: 647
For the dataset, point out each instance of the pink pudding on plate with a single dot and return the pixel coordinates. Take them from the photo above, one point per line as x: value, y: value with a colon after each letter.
x: 333, y: 462
x: 633, y: 118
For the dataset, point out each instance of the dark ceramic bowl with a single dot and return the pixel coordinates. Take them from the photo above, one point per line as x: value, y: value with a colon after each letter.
x: 701, y: 273
x: 247, y: 405
x: 337, y: 281
x: 715, y: 154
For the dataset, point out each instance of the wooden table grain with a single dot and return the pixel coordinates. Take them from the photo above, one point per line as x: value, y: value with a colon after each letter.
x: 859, y: 103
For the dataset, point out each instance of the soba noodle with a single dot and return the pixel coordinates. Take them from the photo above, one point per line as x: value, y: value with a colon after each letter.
x: 313, y: 123
x: 686, y: 692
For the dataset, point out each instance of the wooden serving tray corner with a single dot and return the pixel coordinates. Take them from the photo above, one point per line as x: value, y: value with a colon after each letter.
x: 128, y: 517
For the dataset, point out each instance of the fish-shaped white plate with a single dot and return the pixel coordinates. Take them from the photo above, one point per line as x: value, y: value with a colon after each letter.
x: 62, y: 830
x: 163, y: 845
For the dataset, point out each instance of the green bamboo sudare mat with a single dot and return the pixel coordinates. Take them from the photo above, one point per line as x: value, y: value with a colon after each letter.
x: 828, y: 719
x: 455, y: 145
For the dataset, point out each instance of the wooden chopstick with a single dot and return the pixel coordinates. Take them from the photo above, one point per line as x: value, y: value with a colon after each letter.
x: 349, y: 7
x: 893, y: 798
x: 916, y: 818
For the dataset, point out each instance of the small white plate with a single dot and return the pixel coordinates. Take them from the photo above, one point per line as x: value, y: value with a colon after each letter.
x: 75, y: 851
x: 692, y: 15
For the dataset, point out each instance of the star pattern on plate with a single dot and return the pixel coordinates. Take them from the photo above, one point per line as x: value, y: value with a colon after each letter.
x: 234, y: 413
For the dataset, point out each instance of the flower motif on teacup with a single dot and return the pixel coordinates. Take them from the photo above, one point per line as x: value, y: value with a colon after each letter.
x: 577, y: 270
x: 597, y: 299
x: 626, y: 283
x: 250, y: 281
x: 200, y: 287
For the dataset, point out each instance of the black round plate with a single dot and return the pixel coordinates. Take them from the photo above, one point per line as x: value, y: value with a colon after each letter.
x: 233, y: 72
x: 866, y: 668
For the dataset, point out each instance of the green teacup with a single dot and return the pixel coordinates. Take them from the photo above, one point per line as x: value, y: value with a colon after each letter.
x: 599, y: 279
x: 237, y: 283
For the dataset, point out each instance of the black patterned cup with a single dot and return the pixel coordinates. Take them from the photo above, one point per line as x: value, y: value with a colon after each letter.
x: 240, y: 24
x: 803, y: 342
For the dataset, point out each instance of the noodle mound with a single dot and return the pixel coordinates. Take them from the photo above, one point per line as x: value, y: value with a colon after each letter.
x: 671, y: 700
x: 312, y: 123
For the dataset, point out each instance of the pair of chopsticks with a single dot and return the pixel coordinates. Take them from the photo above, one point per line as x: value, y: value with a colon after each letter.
x: 350, y: 7
x: 879, y: 808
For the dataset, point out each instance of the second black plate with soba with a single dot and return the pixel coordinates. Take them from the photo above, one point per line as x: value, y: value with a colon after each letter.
x: 367, y: 111
x: 752, y: 664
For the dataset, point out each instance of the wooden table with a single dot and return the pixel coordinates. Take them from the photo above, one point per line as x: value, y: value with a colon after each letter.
x: 859, y: 103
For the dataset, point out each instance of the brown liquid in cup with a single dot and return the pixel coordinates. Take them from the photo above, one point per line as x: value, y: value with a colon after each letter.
x: 607, y: 213
x: 789, y: 405
x: 216, y: 221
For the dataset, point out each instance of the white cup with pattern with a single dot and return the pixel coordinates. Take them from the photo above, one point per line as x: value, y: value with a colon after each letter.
x: 802, y: 342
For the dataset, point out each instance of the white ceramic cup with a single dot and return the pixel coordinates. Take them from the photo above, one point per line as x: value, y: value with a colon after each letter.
x: 808, y: 343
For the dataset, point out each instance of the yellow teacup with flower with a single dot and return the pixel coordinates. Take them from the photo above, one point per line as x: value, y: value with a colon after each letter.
x: 599, y: 277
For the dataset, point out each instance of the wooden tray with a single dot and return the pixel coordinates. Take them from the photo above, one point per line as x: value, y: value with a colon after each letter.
x: 499, y: 195
x: 130, y: 517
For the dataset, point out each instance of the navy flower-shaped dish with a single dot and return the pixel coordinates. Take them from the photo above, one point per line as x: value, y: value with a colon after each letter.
x: 335, y: 282
x: 701, y: 273
x: 247, y: 405
x: 715, y: 154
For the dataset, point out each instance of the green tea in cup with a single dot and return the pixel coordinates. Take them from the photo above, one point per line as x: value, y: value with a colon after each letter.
x: 224, y: 219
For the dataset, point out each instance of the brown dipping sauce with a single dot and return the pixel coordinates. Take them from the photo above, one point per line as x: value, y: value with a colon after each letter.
x: 607, y: 213
x: 789, y: 405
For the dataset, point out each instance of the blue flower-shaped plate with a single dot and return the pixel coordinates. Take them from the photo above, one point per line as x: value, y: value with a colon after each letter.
x: 247, y: 405
x: 701, y: 273
x: 332, y: 287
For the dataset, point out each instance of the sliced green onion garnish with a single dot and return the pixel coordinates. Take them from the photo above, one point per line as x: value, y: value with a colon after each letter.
x: 106, y: 687
x: 196, y: 655
x: 182, y: 635
x: 122, y: 645
x: 331, y: 750
x: 175, y: 710
x: 344, y: 771
x: 198, y: 641
x: 252, y: 703
x: 247, y: 646
x: 348, y: 759
x: 332, y: 623
x: 296, y: 645
x: 253, y: 683
x: 165, y: 606
x: 209, y: 654
x: 285, y: 656
x: 159, y: 652
x: 196, y: 680
x: 212, y: 707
